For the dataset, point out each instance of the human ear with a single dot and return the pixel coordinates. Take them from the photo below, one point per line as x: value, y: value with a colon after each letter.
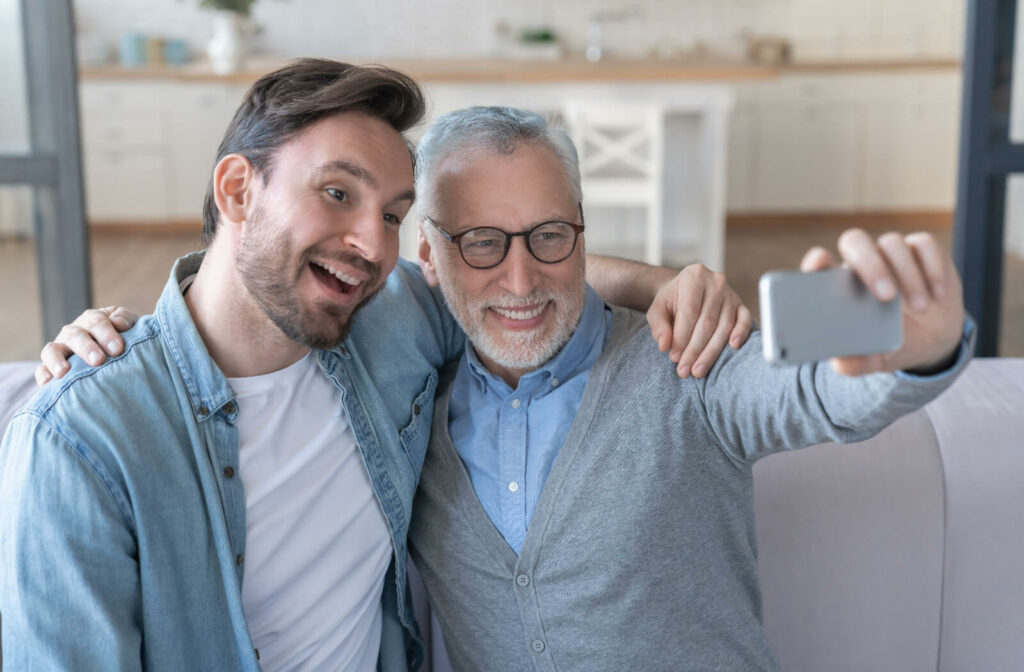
x: 424, y: 256
x: 232, y: 180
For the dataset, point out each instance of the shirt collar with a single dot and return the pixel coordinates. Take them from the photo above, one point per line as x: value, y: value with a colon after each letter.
x: 578, y: 355
x: 205, y: 385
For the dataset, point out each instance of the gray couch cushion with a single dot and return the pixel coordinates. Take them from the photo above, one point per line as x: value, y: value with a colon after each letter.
x: 980, y: 429
x: 851, y: 542
x: 16, y: 387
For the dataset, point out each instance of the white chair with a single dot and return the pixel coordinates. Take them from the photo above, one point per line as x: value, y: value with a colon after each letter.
x: 621, y: 152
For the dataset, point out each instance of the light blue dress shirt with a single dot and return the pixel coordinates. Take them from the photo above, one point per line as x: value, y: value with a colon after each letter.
x: 508, y: 439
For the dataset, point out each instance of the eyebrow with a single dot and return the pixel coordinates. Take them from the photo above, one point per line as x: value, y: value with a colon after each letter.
x: 364, y: 176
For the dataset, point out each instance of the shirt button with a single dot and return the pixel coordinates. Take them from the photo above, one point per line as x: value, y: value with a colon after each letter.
x: 343, y: 350
x: 515, y: 403
x: 238, y: 559
x: 203, y: 410
x: 554, y: 382
x: 230, y: 407
x: 523, y: 580
x: 537, y: 645
x: 513, y: 486
x: 229, y: 472
x: 415, y: 409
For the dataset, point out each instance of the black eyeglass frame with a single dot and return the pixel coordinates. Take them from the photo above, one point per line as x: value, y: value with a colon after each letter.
x: 455, y: 238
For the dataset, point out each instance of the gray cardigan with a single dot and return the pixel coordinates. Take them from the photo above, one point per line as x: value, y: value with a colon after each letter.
x: 641, y: 554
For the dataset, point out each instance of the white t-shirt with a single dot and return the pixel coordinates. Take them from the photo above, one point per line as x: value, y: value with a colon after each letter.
x: 317, y: 543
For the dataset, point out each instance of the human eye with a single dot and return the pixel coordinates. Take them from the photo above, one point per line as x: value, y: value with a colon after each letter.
x: 551, y: 232
x: 483, y: 239
x: 339, y: 195
x: 392, y: 218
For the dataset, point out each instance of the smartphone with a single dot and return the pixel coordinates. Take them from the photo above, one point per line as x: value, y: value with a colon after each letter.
x: 807, y: 317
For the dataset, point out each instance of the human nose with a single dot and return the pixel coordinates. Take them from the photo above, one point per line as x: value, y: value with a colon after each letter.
x: 519, y: 268
x: 368, y: 235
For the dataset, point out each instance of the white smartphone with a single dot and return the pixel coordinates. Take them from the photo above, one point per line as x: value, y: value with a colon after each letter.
x: 807, y: 317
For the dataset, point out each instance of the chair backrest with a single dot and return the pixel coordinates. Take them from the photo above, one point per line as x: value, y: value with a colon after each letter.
x: 618, y: 142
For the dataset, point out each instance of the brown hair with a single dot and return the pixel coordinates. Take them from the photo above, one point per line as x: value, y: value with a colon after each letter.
x: 283, y: 103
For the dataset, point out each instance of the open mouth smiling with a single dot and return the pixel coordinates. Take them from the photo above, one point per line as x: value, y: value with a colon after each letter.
x: 339, y: 281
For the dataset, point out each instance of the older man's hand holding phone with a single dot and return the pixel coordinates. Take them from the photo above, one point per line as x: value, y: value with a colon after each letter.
x: 896, y: 305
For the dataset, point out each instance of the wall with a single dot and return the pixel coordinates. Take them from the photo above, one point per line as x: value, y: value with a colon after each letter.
x: 452, y: 28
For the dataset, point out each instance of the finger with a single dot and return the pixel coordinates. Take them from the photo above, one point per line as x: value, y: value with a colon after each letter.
x: 104, y: 333
x: 904, y: 264
x: 688, y: 308
x: 43, y: 375
x: 54, y: 359
x: 658, y: 318
x: 80, y: 342
x: 933, y: 260
x: 859, y: 250
x: 703, y: 329
x: 714, y: 346
x: 744, y: 323
x: 817, y: 259
x: 123, y: 319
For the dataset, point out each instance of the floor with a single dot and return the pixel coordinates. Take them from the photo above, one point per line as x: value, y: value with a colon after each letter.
x: 130, y: 269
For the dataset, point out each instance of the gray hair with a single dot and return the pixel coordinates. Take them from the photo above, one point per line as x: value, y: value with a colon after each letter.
x: 499, y: 130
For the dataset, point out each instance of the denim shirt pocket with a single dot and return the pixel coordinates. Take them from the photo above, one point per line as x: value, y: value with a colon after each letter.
x: 415, y: 436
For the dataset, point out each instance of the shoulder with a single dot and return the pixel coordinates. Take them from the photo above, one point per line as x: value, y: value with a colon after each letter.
x: 95, y: 407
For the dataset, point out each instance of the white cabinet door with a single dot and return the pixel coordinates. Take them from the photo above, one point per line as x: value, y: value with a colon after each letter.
x: 126, y: 185
x: 125, y: 138
x: 912, y: 142
x: 198, y: 121
x: 808, y: 157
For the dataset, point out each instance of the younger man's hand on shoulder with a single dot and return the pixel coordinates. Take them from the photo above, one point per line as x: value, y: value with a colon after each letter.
x: 693, y: 317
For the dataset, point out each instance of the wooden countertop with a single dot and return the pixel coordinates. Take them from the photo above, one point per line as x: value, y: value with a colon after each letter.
x: 468, y: 71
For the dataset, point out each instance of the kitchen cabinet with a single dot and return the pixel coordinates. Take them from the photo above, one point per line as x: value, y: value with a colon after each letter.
x: 845, y: 142
x: 197, y: 122
x: 807, y: 158
x: 149, y: 147
x: 802, y: 140
x: 912, y: 142
x: 125, y: 141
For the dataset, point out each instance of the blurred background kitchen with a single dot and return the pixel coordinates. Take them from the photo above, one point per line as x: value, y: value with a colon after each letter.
x: 736, y: 133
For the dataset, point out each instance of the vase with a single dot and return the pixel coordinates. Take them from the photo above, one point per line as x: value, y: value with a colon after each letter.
x: 227, y: 46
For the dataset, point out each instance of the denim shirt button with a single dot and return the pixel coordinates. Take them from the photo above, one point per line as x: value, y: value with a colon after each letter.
x: 230, y: 407
x: 203, y: 410
x: 415, y: 409
x: 238, y: 560
x: 229, y: 472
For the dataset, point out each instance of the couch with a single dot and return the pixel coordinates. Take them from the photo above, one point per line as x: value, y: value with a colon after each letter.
x: 901, y: 553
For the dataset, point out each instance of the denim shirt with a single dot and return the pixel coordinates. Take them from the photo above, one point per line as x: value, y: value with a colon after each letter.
x: 122, y: 522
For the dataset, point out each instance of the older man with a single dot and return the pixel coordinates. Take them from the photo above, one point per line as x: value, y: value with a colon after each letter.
x: 581, y: 507
x: 252, y: 428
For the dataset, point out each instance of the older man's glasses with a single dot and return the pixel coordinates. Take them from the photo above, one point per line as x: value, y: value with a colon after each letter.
x: 486, y: 247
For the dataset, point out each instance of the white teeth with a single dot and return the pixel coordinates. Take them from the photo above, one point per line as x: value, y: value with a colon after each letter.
x: 347, y: 279
x: 514, y: 314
